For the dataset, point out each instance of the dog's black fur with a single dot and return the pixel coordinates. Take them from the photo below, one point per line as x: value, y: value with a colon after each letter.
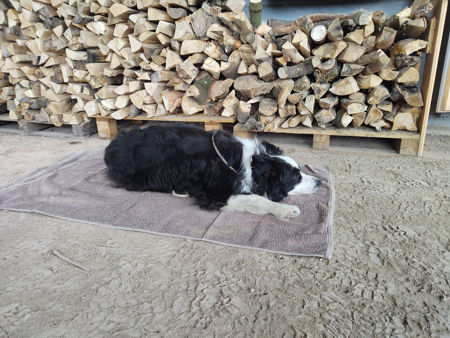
x: 182, y: 158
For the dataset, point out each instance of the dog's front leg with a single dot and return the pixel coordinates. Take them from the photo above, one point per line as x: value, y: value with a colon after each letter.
x: 260, y: 205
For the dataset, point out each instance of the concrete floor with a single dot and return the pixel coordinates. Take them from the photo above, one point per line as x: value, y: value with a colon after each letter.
x: 389, y: 275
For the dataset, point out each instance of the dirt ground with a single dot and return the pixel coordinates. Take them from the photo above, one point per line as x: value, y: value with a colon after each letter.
x: 389, y: 274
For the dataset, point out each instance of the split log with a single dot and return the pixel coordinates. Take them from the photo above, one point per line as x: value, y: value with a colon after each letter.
x: 212, y: 66
x: 352, y: 53
x: 305, y: 24
x: 298, y: 38
x: 249, y: 86
x: 351, y: 69
x: 344, y: 87
x: 220, y: 89
x: 373, y: 116
x: 421, y: 8
x: 275, y: 124
x: 281, y: 90
x: 358, y: 97
x: 318, y: 34
x: 307, y: 120
x: 171, y: 100
x: 265, y: 120
x: 285, y: 29
x: 327, y: 71
x: 378, y: 18
x: 388, y: 74
x: 291, y: 54
x: 192, y: 46
x: 368, y: 81
x: 406, y: 108
x: 358, y: 119
x: 378, y: 95
x: 263, y: 29
x: 294, y: 121
x: 328, y: 102
x: 325, y: 116
x: 413, y: 29
x: 375, y: 67
x: 362, y: 17
x: 187, y: 71
x: 408, y: 46
x: 380, y: 124
x: 303, y: 68
x: 301, y: 84
x: 386, y: 106
x: 356, y: 36
x: 402, y: 61
x: 191, y: 106
x: 296, y: 98
x: 287, y: 110
x: 329, y: 50
x: 230, y: 104
x: 404, y: 121
x: 268, y: 107
x: 409, y: 76
x: 200, y: 90
x: 320, y: 89
x: 335, y: 31
x: 121, y: 113
x: 310, y: 103
x: 214, y: 108
x: 266, y: 72
x: 342, y: 119
x: 411, y: 95
x: 386, y: 38
x: 370, y: 43
x: 369, y: 29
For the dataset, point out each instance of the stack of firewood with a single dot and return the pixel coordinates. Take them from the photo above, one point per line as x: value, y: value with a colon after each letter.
x: 162, y: 57
x: 6, y: 89
x: 120, y: 58
x: 342, y: 70
x: 34, y: 44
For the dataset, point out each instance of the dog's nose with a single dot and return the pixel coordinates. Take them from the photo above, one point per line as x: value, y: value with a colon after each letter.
x: 317, y: 184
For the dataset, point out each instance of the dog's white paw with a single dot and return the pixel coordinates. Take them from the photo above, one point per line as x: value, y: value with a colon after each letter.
x: 179, y: 195
x: 287, y: 211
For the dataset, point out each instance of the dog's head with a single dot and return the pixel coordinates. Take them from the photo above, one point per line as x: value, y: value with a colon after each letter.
x: 276, y: 175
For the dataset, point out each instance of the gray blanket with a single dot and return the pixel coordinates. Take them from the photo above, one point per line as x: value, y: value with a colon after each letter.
x: 77, y: 188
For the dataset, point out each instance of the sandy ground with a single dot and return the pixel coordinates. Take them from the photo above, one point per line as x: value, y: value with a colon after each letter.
x: 389, y: 274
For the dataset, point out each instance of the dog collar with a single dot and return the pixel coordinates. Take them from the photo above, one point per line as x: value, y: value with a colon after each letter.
x: 220, y: 155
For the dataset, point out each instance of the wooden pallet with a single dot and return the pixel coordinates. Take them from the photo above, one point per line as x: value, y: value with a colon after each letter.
x: 408, y: 143
x: 83, y: 129
x: 107, y: 126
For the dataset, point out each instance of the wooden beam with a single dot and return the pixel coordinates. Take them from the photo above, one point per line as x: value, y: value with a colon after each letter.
x: 429, y: 74
x: 240, y: 131
x: 106, y: 128
x: 209, y: 126
x: 407, y: 147
x: 321, y: 142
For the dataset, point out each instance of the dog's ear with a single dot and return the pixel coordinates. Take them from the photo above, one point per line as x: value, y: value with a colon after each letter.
x: 271, y: 149
x: 266, y: 180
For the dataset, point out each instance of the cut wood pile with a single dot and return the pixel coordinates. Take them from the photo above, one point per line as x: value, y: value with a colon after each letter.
x: 6, y: 89
x: 339, y: 70
x: 64, y: 61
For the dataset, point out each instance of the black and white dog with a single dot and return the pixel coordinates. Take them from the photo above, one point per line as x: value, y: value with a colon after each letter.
x: 218, y: 169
